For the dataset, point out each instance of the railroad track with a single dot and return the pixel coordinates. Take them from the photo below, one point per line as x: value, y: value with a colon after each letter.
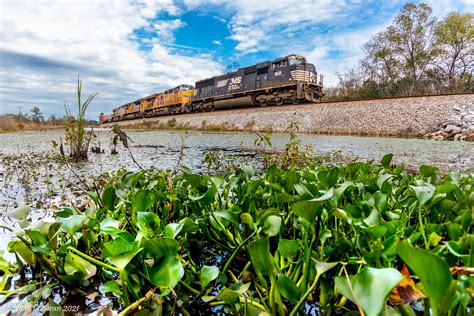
x: 286, y: 107
x: 399, y: 97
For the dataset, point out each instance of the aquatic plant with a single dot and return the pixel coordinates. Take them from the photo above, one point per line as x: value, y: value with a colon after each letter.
x: 339, y: 239
x: 77, y: 138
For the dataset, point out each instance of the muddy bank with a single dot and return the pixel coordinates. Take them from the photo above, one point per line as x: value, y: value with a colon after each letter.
x: 401, y: 117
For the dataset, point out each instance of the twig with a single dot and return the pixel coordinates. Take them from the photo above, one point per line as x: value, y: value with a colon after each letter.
x: 137, y: 303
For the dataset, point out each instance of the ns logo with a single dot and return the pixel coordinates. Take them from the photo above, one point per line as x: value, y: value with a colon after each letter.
x: 235, y: 83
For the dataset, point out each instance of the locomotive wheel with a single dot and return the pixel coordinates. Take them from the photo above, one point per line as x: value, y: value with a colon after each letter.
x: 263, y: 103
x: 279, y: 101
x: 295, y: 101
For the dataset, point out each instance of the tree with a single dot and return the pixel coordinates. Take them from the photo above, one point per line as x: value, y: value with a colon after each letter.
x: 411, y: 38
x: 454, y: 38
x: 380, y: 64
x: 232, y: 67
x: 37, y: 116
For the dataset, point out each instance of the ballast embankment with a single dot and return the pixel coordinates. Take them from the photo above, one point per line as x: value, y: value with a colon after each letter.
x: 396, y: 117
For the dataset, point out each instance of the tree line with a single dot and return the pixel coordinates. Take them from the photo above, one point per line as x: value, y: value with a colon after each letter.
x: 35, y: 119
x: 415, y: 55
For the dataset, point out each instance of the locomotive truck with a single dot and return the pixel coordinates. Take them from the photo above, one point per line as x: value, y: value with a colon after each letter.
x: 287, y: 80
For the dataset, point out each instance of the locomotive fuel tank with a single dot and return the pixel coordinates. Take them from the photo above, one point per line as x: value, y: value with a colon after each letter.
x: 234, y: 102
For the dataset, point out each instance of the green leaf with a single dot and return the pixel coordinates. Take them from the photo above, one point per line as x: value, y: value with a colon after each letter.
x: 189, y: 226
x: 326, y: 196
x: 323, y: 267
x: 167, y: 271
x: 19, y: 213
x: 307, y: 210
x: 208, y: 274
x: 228, y: 296
x: 247, y: 219
x: 260, y: 256
x: 73, y: 223
x: 172, y: 230
x: 78, y: 267
x: 248, y: 170
x: 108, y: 197
x: 383, y: 184
x: 111, y: 286
x: 287, y: 288
x: 143, y: 200
x: 122, y: 260
x: 386, y: 160
x: 302, y: 190
x: 329, y: 178
x: 288, y: 248
x: 433, y: 272
x: 370, y: 288
x: 207, y: 197
x: 149, y: 223
x: 161, y: 247
x: 118, y: 246
x: 110, y: 226
x: 375, y: 232
x: 272, y: 225
x: 342, y: 286
x: 54, y: 308
x: 428, y: 171
x: 18, y: 247
x: 423, y: 193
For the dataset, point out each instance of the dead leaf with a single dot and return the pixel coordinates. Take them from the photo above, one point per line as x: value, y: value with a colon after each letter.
x: 405, y: 292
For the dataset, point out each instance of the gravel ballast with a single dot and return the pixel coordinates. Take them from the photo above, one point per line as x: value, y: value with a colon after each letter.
x: 399, y: 117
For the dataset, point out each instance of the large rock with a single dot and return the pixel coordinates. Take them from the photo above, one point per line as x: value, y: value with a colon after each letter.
x: 456, y: 122
x: 459, y: 127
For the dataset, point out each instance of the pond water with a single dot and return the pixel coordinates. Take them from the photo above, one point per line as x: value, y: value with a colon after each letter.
x: 162, y: 148
x: 29, y: 175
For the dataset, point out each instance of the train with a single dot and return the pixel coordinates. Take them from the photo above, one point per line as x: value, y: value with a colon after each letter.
x: 286, y: 80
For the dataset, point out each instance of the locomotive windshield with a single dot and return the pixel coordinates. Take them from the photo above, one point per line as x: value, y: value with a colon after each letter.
x: 295, y: 60
x: 185, y: 88
x: 310, y: 67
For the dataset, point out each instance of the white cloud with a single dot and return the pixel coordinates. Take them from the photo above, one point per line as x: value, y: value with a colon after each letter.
x: 165, y: 28
x: 149, y: 8
x: 442, y: 8
x: 43, y: 46
x: 256, y: 23
x: 349, y: 47
x: 216, y: 42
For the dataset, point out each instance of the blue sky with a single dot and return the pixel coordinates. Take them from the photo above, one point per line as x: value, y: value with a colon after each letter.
x: 128, y: 49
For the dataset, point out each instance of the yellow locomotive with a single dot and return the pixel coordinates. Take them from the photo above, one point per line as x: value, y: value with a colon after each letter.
x: 175, y: 100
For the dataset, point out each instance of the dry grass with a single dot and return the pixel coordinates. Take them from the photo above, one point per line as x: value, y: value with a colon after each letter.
x: 8, y: 123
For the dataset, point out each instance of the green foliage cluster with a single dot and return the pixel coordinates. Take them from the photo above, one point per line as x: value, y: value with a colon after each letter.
x: 415, y: 55
x: 294, y: 155
x: 276, y: 243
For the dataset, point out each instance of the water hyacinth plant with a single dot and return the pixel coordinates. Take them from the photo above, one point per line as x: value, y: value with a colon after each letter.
x: 332, y: 240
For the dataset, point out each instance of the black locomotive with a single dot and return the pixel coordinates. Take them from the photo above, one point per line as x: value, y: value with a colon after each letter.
x: 284, y: 80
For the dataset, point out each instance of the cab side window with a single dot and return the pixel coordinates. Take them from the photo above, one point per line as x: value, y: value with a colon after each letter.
x: 279, y: 64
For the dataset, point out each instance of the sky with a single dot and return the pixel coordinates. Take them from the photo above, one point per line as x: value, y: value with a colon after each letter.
x: 127, y: 49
